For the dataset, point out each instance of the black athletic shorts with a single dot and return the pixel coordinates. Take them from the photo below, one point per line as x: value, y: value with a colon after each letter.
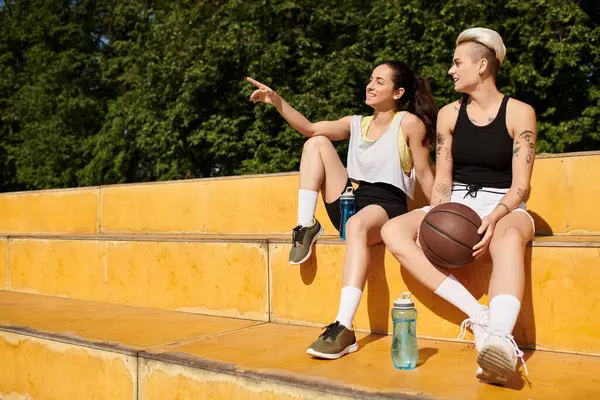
x: 389, y: 197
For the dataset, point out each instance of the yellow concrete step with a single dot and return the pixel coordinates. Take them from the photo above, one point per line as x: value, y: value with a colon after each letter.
x: 249, y: 277
x: 67, y: 349
x: 562, y: 201
x: 559, y: 311
x: 208, y: 276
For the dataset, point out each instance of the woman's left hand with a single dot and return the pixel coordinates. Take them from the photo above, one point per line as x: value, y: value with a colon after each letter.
x: 487, y: 226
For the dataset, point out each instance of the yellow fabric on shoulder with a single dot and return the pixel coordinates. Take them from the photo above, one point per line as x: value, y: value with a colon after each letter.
x: 403, y: 149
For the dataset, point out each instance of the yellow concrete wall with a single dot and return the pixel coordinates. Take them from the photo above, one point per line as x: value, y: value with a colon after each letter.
x: 68, y: 268
x: 204, y: 206
x: 3, y: 257
x: 162, y: 381
x: 51, y: 211
x: 228, y: 279
x: 265, y: 204
x: 33, y: 368
x: 564, y: 195
x: 560, y: 306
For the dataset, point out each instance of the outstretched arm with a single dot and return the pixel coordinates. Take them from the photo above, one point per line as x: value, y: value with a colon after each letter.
x: 334, y: 130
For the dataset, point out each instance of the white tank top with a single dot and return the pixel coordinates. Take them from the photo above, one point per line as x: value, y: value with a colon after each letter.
x: 378, y: 161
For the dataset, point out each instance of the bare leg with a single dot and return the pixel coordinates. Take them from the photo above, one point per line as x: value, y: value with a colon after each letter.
x: 400, y: 236
x: 498, y: 356
x: 363, y: 230
x: 507, y: 249
x: 321, y: 168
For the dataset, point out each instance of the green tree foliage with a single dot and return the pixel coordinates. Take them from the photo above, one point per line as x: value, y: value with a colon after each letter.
x: 111, y: 91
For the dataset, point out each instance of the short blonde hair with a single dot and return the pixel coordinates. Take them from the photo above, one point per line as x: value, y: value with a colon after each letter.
x: 490, y: 41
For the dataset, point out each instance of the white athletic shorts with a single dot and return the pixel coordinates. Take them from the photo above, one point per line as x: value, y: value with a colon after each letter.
x: 481, y: 199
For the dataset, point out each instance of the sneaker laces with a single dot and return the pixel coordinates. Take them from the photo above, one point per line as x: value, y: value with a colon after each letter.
x: 332, y: 330
x: 473, y: 322
x: 519, y: 353
x: 298, y: 235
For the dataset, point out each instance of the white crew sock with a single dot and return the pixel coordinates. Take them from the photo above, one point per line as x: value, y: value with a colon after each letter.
x: 307, y: 204
x: 504, y: 310
x: 454, y: 292
x: 349, y: 301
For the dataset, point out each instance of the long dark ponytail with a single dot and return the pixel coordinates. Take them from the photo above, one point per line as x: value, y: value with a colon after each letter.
x: 417, y: 98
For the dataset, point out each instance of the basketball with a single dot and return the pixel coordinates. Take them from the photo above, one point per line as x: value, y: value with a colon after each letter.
x: 448, y: 234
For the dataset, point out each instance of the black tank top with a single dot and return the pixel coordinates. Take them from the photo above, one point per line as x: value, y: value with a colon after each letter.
x: 482, y: 155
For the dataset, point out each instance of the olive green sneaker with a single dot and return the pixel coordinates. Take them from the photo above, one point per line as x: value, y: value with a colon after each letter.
x: 336, y: 341
x: 303, y: 238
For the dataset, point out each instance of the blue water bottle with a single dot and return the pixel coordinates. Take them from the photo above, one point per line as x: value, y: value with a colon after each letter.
x: 347, y: 209
x: 405, y: 352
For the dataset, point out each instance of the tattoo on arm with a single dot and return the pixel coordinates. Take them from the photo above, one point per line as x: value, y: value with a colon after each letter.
x: 490, y: 119
x: 505, y: 207
x: 527, y: 135
x: 448, y: 155
x: 522, y: 193
x: 516, y: 149
x: 441, y: 140
x: 443, y: 189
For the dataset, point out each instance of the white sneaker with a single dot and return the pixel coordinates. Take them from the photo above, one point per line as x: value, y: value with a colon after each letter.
x: 498, y: 358
x: 478, y: 325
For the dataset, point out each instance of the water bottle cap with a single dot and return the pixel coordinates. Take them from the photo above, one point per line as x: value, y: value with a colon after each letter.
x: 404, y: 301
x: 348, y: 193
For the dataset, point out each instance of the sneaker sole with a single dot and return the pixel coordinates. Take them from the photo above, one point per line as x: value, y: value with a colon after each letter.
x: 350, y: 349
x: 496, y: 366
x: 318, y: 235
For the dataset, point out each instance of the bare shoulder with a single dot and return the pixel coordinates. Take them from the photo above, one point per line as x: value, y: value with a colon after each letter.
x: 448, y: 115
x: 346, y: 120
x: 519, y: 109
x: 451, y: 108
x: 411, y: 123
x: 520, y: 117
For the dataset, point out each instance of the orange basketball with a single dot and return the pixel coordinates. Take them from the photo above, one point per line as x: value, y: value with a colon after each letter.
x: 448, y: 234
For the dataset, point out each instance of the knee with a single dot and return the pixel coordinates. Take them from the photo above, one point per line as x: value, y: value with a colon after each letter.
x: 356, y: 226
x: 388, y: 233
x: 508, y: 239
x: 315, y: 143
x: 393, y: 237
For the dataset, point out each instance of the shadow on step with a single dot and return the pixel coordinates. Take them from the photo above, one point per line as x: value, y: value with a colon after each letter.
x: 425, y: 354
x: 378, y: 292
x: 520, y: 380
x: 542, y: 228
x: 308, y: 269
x: 476, y: 278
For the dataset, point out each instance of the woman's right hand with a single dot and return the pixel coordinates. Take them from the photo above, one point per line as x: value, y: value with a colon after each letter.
x: 264, y: 93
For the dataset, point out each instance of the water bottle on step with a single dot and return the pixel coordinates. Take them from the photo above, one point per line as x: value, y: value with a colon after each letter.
x: 347, y: 209
x: 405, y: 352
